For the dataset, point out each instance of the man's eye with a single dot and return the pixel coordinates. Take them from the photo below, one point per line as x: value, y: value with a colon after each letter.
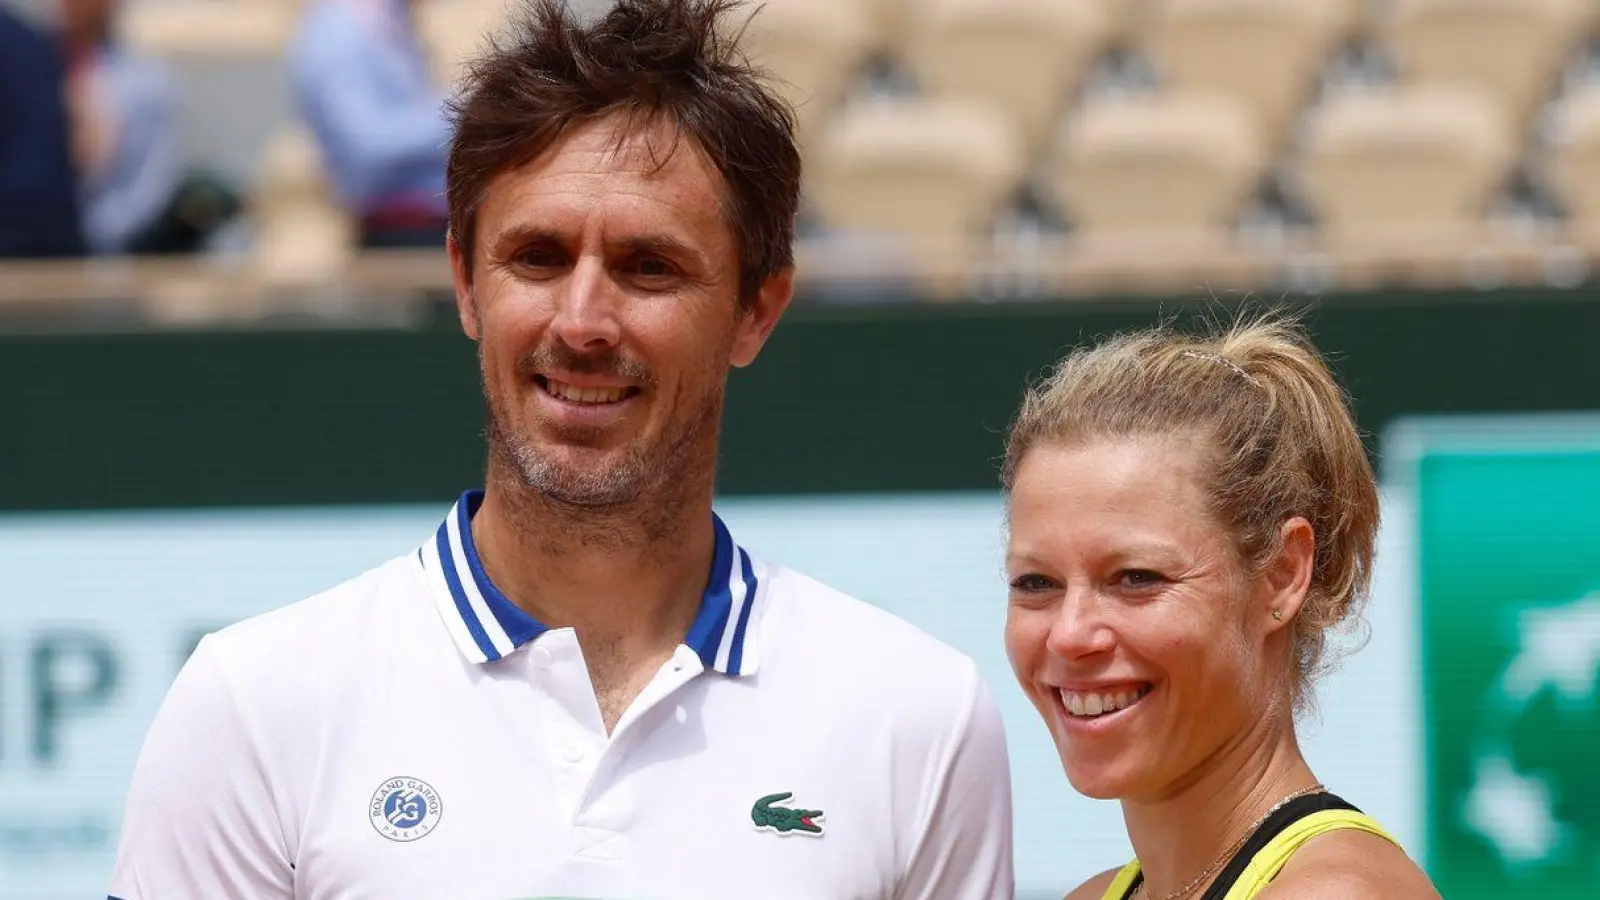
x: 654, y: 267
x: 539, y: 257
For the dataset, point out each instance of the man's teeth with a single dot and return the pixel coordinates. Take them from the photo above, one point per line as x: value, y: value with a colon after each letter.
x: 585, y: 394
x: 1099, y: 703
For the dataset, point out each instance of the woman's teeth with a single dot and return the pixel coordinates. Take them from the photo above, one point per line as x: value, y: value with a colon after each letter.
x: 1087, y: 704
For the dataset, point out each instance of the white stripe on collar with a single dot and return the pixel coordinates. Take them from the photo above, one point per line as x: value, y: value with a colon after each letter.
x: 486, y: 626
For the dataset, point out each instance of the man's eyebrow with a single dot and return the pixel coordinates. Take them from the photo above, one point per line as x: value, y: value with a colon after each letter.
x: 659, y: 245
x: 515, y: 236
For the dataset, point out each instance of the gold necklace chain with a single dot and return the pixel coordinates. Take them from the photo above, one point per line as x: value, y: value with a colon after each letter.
x: 1186, y: 890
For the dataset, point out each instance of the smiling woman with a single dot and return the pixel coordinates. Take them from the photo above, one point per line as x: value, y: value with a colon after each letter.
x: 1189, y: 516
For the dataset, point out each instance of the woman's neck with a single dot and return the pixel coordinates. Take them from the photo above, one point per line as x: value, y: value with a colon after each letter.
x: 1191, y: 830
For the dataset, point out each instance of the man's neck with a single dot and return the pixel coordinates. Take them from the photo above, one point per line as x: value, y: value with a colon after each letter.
x: 629, y: 581
x: 608, y: 571
x: 1178, y: 836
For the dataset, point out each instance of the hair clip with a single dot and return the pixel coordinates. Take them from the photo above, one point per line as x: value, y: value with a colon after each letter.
x: 1212, y: 357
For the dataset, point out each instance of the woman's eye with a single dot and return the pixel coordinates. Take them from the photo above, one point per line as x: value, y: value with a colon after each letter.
x: 1032, y: 583
x: 1139, y: 578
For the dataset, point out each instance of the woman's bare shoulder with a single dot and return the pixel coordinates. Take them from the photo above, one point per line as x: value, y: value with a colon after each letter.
x: 1350, y: 865
x: 1094, y: 888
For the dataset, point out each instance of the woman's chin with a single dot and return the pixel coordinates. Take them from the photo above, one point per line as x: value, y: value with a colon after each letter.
x: 1096, y: 780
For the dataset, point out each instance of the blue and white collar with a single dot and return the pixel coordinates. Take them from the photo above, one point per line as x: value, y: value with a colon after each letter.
x: 487, y: 626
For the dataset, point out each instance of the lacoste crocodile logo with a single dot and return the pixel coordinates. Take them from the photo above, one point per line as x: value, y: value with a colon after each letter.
x: 784, y: 819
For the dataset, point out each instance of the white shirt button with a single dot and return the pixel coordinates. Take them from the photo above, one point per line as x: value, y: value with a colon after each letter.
x: 541, y: 657
x: 573, y: 753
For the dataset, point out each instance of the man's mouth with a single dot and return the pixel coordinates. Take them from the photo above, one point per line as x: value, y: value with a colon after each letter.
x: 593, y: 396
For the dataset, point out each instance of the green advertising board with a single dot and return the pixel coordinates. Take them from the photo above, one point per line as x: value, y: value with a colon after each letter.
x: 1508, y: 537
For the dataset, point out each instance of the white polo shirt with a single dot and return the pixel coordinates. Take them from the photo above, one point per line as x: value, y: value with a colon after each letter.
x: 413, y: 735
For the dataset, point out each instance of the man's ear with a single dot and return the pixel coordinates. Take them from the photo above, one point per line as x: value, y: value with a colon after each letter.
x: 461, y: 275
x: 761, y: 316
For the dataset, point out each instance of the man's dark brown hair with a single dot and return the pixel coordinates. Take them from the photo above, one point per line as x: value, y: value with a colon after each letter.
x: 649, y: 60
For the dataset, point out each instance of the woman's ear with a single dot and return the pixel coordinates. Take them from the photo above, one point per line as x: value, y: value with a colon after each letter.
x: 1288, y: 576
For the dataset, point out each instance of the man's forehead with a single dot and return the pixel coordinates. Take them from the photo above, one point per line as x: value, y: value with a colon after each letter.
x: 615, y: 146
x: 653, y: 170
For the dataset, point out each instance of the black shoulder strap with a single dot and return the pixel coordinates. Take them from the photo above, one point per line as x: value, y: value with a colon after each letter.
x: 1287, y: 815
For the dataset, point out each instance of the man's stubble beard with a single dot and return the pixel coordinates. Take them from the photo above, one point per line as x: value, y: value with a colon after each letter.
x: 642, y: 495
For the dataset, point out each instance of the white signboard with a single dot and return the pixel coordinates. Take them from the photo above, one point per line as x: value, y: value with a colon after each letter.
x: 98, y: 611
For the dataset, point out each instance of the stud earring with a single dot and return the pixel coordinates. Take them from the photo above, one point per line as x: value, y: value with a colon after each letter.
x: 1277, y: 615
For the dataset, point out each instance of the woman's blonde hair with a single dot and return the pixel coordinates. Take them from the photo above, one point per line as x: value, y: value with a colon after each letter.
x: 1278, y: 438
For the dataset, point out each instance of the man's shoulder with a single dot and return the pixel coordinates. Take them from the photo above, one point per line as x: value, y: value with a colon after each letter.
x: 327, y: 625
x: 873, y: 667
x: 846, y: 627
x: 856, y: 669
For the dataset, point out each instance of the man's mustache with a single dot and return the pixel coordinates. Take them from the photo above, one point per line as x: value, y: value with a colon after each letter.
x: 560, y: 358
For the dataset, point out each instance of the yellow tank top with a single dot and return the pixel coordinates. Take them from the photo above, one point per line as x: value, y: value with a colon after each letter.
x: 1269, y: 860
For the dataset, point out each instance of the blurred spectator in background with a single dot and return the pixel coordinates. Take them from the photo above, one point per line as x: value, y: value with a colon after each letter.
x: 363, y: 84
x: 38, y: 201
x: 137, y: 197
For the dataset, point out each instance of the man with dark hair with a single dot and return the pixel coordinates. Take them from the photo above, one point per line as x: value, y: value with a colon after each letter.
x: 581, y: 685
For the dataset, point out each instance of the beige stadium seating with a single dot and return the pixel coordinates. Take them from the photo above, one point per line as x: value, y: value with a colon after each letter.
x: 1511, y: 49
x: 914, y: 166
x: 1422, y: 161
x: 304, y: 237
x: 1123, y: 18
x: 454, y: 31
x: 1166, y: 165
x: 1267, y: 53
x: 1023, y: 57
x: 1572, y: 162
x: 209, y: 29
x: 888, y: 20
x: 814, y: 48
x: 1353, y: 17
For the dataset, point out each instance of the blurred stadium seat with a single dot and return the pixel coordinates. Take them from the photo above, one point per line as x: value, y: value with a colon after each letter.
x: 814, y: 48
x: 1264, y: 53
x: 1178, y: 163
x: 1410, y: 161
x: 176, y: 29
x: 453, y: 31
x: 1572, y: 162
x: 1122, y: 17
x: 888, y: 20
x: 1024, y: 57
x: 929, y: 167
x: 304, y: 237
x: 1511, y: 50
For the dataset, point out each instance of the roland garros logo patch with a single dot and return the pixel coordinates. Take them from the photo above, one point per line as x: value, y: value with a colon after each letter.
x: 405, y: 809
